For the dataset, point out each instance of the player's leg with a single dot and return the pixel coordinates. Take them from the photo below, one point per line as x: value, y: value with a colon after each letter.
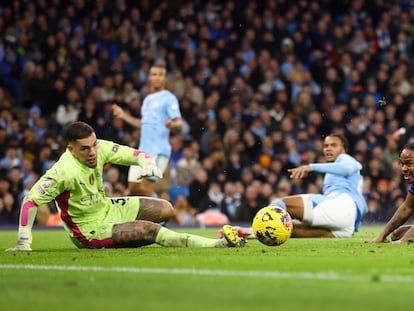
x: 134, y: 188
x: 137, y: 185
x: 140, y: 233
x: 301, y: 230
x: 330, y: 218
x: 119, y: 229
x: 336, y: 214
x: 155, y: 210
x: 296, y: 205
x: 144, y: 188
x: 300, y: 208
x: 134, y: 233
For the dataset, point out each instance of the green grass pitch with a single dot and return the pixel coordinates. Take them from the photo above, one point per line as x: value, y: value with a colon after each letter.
x: 302, y: 274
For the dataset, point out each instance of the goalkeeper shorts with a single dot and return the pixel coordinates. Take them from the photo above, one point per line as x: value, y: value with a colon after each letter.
x: 98, y: 234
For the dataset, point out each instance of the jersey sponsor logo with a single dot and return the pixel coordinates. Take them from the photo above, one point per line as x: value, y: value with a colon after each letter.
x: 91, y: 199
x: 91, y: 179
x: 40, y: 190
x: 46, y: 184
x: 115, y: 148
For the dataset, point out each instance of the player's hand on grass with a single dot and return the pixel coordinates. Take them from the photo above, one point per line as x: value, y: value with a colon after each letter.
x: 376, y: 240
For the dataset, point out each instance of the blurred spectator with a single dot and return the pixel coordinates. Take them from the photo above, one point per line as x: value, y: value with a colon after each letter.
x: 234, y: 167
x: 212, y: 199
x: 11, y: 159
x: 16, y: 181
x: 208, y: 211
x: 198, y: 188
x: 251, y: 203
x: 231, y: 200
x: 187, y: 167
x: 69, y: 110
x: 47, y: 217
x: 6, y: 210
x: 209, y: 139
x: 185, y: 214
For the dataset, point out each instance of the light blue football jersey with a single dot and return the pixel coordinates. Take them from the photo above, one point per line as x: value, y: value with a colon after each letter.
x: 341, y: 176
x: 156, y: 109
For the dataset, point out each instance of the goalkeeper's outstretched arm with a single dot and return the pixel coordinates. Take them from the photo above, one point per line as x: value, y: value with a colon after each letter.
x: 28, y: 213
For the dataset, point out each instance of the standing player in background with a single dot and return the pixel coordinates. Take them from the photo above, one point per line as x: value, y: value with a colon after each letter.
x: 400, y: 233
x: 160, y: 114
x: 337, y: 212
x: 93, y: 220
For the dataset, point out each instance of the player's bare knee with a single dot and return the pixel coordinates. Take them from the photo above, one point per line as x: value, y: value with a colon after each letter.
x: 135, y: 233
x: 155, y: 209
x: 167, y: 209
x: 134, y: 188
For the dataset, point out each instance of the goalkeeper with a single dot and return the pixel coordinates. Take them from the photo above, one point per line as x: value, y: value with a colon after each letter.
x: 93, y: 220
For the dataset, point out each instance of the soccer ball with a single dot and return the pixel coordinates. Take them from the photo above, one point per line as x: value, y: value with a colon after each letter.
x: 272, y: 225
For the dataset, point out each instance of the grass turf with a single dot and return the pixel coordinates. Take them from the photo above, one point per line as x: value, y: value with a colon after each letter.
x: 302, y: 274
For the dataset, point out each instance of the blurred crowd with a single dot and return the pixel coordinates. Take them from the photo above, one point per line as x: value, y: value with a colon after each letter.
x: 260, y: 83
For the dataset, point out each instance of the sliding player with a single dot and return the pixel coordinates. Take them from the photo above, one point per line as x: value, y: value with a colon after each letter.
x: 93, y: 220
x: 335, y: 213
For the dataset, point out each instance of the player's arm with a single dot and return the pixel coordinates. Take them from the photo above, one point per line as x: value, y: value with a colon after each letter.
x: 345, y: 166
x: 125, y: 155
x: 174, y: 121
x: 118, y: 112
x: 341, y: 169
x: 401, y: 215
x: 28, y: 211
x: 46, y: 189
x: 175, y: 124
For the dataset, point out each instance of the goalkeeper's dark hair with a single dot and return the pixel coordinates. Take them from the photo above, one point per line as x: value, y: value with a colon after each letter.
x: 77, y: 130
x: 343, y: 139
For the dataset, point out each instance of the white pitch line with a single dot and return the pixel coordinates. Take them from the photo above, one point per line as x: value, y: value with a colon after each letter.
x: 330, y: 275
